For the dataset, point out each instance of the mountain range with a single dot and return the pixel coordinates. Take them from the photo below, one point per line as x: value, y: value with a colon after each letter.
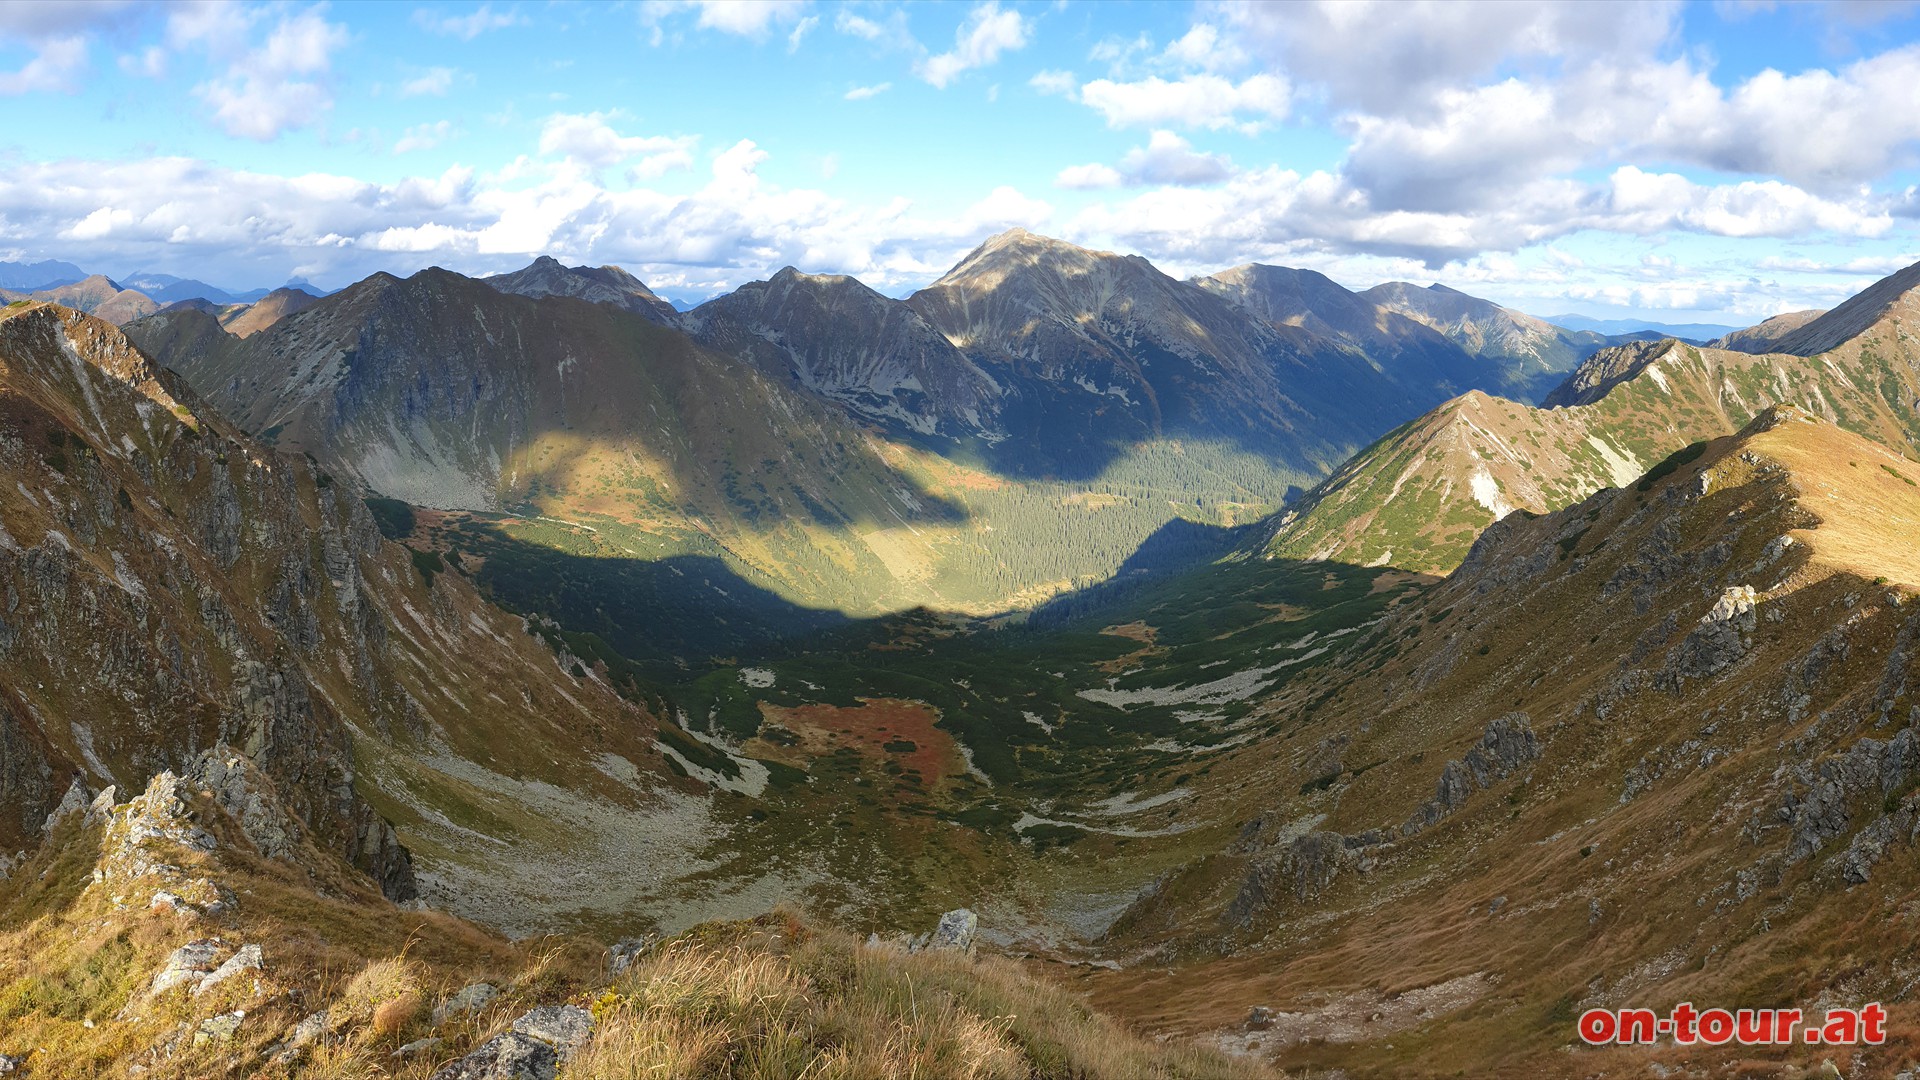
x: 1574, y: 672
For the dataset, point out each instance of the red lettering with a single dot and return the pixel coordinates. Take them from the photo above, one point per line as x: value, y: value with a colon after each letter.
x: 1842, y: 1027
x: 1755, y: 1025
x: 1683, y: 1020
x: 1716, y: 1026
x: 1784, y: 1021
x: 1874, y: 1018
x: 1598, y: 1026
x: 1637, y: 1025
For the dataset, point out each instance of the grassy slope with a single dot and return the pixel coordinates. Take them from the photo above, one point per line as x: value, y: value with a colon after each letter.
x: 1611, y: 892
x: 771, y: 997
x: 1410, y: 499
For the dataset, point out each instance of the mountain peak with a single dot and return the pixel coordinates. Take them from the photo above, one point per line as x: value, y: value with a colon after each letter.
x: 547, y: 276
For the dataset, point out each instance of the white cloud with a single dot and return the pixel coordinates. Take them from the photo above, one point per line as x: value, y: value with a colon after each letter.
x: 435, y: 82
x: 57, y: 65
x: 590, y: 141
x: 862, y: 93
x: 800, y: 31
x: 1829, y: 132
x: 279, y: 84
x: 744, y: 18
x: 1209, y: 101
x: 423, y: 137
x: 1167, y: 159
x: 1204, y: 47
x: 1053, y: 82
x: 891, y: 33
x: 987, y: 32
x: 469, y: 26
x: 1393, y: 58
x: 1086, y: 177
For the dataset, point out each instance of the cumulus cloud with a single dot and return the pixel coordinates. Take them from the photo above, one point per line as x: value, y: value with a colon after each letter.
x: 57, y: 64
x: 862, y: 93
x: 987, y: 32
x: 1166, y: 159
x: 1087, y: 177
x: 1827, y: 131
x: 1195, y: 101
x: 466, y: 27
x: 1393, y: 58
x: 279, y: 83
x: 590, y: 141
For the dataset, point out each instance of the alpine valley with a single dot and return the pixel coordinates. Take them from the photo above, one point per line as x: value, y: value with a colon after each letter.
x: 1065, y: 670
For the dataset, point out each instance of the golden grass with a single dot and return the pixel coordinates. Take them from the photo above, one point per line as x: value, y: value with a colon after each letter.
x: 776, y: 998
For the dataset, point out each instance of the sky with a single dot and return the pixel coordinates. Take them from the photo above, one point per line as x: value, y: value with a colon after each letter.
x: 1716, y: 162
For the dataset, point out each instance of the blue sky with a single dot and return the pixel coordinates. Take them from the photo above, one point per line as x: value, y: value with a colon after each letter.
x: 1683, y: 161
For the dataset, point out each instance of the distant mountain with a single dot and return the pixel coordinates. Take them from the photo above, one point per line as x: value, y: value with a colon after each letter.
x: 1410, y: 350
x: 599, y: 284
x: 872, y: 354
x: 46, y: 274
x: 167, y: 289
x: 1100, y: 351
x: 1695, y: 332
x: 264, y: 312
x: 1530, y: 353
x: 98, y: 295
x: 1764, y: 336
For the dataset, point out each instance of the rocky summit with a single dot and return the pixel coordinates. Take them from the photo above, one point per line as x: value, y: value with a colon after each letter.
x: 1066, y: 670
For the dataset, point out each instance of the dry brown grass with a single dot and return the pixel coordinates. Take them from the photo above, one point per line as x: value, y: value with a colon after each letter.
x: 775, y: 998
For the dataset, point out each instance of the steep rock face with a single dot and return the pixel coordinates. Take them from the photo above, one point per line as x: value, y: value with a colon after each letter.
x: 545, y: 276
x: 1098, y: 350
x: 169, y: 586
x: 874, y: 355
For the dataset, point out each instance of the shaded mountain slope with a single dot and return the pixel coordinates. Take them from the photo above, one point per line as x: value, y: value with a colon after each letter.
x: 1102, y: 350
x: 873, y: 355
x: 1655, y: 747
x: 1532, y: 355
x: 1411, y: 351
x: 174, y: 584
